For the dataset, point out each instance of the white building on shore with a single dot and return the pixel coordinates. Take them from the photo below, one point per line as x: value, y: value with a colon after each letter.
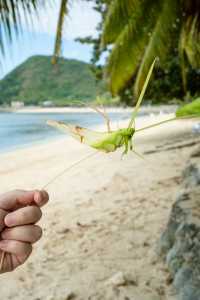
x: 17, y: 104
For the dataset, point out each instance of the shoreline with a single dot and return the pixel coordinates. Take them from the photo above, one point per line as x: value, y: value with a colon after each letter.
x: 31, y: 144
x: 122, y: 123
x: 145, y: 109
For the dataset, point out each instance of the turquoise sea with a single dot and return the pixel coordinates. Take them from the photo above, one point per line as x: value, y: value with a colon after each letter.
x: 19, y: 130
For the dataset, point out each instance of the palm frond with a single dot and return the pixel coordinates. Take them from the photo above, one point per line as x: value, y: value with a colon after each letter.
x: 183, y: 57
x: 61, y: 19
x: 183, y: 63
x: 130, y: 45
x: 189, y: 45
x: 11, y: 13
x: 191, y: 41
x: 12, y: 16
x: 159, y: 43
x: 119, y: 13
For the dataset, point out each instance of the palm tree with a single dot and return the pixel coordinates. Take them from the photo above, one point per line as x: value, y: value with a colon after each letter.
x: 62, y: 14
x: 140, y: 30
x: 12, y: 12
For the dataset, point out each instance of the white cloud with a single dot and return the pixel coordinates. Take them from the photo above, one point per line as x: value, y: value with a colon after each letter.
x: 82, y: 20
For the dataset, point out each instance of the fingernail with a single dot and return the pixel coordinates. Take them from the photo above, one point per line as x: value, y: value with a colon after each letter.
x: 37, y: 196
x: 9, y: 221
x: 45, y: 195
x: 39, y: 199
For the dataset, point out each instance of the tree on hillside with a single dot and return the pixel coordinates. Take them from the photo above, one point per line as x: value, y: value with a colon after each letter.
x: 141, y: 30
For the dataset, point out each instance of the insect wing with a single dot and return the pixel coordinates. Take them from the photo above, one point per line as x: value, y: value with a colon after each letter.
x: 81, y: 134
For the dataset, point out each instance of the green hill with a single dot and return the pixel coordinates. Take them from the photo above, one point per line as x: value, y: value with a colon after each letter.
x: 37, y: 80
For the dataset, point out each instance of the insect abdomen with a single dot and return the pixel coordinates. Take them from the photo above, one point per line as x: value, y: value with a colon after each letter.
x: 110, y: 144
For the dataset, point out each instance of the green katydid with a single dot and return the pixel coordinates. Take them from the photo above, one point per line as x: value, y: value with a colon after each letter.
x: 110, y: 141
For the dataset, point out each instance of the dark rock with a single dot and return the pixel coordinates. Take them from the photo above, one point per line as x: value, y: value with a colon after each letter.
x: 196, y: 152
x: 179, y: 245
x: 190, y: 292
x: 183, y: 276
x: 191, y: 175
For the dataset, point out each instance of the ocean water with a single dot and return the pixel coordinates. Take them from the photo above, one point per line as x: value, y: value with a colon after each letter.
x: 19, y: 130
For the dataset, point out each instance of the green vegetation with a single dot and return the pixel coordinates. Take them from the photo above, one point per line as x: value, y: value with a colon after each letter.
x: 107, y: 100
x: 166, y: 87
x: 142, y: 30
x: 131, y: 33
x: 37, y: 80
x: 189, y: 109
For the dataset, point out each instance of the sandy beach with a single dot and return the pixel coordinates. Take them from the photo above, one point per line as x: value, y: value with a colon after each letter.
x: 104, y: 218
x: 144, y: 109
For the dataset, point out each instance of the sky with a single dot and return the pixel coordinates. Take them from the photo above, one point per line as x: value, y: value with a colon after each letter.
x: 39, y: 37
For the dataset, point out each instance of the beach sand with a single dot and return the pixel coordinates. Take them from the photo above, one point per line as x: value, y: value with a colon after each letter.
x: 103, y: 220
x: 145, y: 109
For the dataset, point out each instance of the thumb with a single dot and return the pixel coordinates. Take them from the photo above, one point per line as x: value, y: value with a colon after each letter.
x: 19, y: 198
x: 10, y: 201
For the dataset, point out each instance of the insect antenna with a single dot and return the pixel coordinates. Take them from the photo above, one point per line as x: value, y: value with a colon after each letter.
x: 103, y: 114
x: 167, y: 121
x: 142, y: 94
x: 68, y: 169
x: 99, y: 111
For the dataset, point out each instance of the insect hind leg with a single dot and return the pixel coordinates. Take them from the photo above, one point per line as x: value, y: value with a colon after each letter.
x: 131, y: 144
x: 104, y: 115
x: 135, y: 152
x: 125, y: 150
x: 138, y: 154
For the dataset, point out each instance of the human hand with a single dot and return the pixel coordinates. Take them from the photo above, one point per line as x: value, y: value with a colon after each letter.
x: 19, y: 212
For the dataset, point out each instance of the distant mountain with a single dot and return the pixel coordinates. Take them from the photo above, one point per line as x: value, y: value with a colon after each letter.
x: 37, y: 80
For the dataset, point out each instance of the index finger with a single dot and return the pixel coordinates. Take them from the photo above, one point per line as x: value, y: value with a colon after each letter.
x: 13, y: 200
